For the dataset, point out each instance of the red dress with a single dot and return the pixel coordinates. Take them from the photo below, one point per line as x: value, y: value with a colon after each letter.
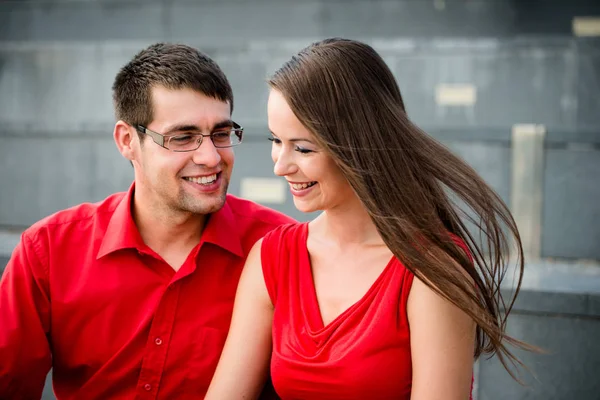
x: 363, y: 354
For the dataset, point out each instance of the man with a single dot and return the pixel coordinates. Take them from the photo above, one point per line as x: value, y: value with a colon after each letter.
x: 132, y: 297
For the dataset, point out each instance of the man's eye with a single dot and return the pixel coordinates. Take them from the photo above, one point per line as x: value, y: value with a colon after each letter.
x: 221, y: 135
x: 179, y: 139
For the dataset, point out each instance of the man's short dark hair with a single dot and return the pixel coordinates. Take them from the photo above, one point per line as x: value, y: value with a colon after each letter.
x: 173, y: 66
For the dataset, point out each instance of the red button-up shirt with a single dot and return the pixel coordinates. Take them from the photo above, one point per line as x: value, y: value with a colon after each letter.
x: 83, y: 293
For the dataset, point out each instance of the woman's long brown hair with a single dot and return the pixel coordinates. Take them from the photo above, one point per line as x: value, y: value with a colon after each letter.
x: 415, y: 190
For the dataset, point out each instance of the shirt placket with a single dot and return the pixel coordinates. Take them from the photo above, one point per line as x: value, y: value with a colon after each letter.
x: 157, y: 345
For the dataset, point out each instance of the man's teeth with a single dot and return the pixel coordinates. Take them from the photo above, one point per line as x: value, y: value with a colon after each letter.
x: 300, y: 186
x: 203, y: 180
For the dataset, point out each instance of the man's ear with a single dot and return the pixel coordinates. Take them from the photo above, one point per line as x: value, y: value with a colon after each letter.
x: 124, y: 139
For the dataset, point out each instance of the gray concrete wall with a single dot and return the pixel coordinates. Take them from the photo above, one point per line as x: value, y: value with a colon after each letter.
x: 567, y: 371
x: 58, y: 59
x: 520, y: 57
x: 558, y: 310
x: 56, y: 121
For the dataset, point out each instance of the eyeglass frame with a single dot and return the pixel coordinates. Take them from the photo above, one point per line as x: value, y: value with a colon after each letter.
x: 159, y: 138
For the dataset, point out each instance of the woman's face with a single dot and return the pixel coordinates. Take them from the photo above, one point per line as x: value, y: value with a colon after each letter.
x: 315, y: 180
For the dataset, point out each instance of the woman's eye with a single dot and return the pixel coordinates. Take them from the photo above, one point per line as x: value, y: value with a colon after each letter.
x: 302, y: 150
x: 299, y: 149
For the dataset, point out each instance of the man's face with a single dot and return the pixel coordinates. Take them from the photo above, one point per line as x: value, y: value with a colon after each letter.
x: 194, y: 181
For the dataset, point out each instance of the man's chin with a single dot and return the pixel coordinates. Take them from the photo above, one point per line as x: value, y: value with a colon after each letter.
x: 205, y: 204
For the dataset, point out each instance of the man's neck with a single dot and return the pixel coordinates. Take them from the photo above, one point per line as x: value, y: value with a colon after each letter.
x: 171, y: 234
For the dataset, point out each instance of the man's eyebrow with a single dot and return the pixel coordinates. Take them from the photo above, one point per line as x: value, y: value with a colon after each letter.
x: 226, y: 123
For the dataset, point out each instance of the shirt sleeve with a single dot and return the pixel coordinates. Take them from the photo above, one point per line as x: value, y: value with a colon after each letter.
x: 24, y: 324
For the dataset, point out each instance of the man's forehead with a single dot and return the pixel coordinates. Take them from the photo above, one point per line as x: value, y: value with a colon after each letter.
x: 160, y: 92
x: 177, y: 108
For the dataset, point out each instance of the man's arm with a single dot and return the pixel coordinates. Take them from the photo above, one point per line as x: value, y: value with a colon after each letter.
x: 244, y: 363
x: 25, y: 357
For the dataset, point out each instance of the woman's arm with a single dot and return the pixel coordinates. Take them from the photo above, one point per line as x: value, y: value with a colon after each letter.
x: 244, y: 363
x: 442, y: 342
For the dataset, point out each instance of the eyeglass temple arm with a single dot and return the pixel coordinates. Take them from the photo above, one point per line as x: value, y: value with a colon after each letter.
x: 158, y: 138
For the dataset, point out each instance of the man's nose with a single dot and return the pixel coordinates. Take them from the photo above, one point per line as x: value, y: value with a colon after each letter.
x: 207, y: 154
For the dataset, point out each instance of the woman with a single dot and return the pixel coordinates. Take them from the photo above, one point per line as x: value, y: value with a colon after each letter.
x: 386, y: 294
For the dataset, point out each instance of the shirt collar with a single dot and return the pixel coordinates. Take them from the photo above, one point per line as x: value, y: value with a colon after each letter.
x: 122, y: 233
x: 221, y: 230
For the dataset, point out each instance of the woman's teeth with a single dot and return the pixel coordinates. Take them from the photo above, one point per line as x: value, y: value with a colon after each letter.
x: 203, y: 180
x: 300, y: 186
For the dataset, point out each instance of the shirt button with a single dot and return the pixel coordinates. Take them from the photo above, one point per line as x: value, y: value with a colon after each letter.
x: 158, y: 341
x: 148, y: 387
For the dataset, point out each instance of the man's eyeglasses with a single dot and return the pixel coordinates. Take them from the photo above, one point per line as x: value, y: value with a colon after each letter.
x: 190, y: 141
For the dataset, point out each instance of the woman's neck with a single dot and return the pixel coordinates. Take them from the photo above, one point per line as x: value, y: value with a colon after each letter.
x: 347, y: 224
